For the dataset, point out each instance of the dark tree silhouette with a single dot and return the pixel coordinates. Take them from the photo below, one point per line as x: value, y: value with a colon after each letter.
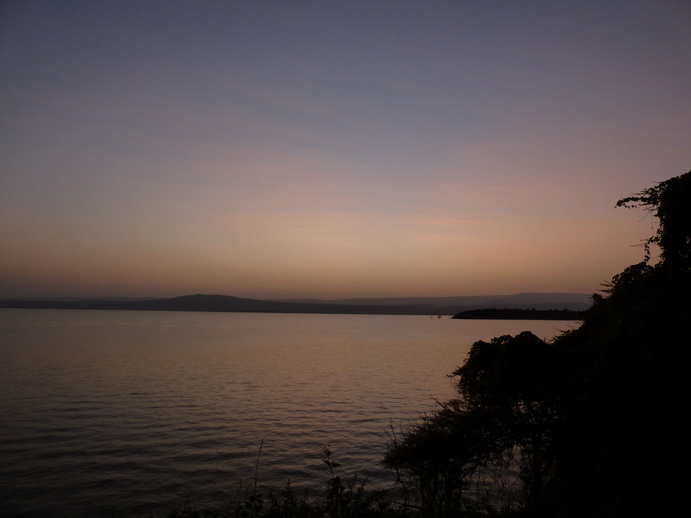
x: 670, y: 203
x: 596, y: 419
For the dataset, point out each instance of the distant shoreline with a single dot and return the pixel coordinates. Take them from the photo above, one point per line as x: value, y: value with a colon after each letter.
x: 467, y: 308
x: 519, y: 314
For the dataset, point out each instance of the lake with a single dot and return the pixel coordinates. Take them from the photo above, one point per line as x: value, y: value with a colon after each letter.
x: 105, y: 411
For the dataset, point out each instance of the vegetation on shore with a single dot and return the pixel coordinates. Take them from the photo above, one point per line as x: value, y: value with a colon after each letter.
x: 519, y: 314
x: 589, y: 424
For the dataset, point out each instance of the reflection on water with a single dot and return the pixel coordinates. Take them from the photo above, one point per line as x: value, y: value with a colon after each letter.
x: 136, y: 410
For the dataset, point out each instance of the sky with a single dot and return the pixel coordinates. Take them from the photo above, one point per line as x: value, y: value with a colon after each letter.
x: 333, y: 149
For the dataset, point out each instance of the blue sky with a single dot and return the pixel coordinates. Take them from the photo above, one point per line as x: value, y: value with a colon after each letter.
x: 333, y: 149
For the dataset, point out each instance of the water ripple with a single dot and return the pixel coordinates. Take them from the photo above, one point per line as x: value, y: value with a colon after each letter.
x: 118, y: 411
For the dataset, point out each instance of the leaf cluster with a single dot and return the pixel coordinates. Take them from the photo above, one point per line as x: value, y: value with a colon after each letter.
x: 670, y: 203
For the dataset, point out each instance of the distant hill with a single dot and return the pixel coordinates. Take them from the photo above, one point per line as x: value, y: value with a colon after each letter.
x: 380, y: 306
x: 541, y: 301
x: 219, y: 303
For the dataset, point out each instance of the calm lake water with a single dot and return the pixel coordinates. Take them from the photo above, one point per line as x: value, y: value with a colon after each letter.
x: 106, y: 411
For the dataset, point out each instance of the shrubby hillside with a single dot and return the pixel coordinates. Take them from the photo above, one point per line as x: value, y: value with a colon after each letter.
x: 593, y: 423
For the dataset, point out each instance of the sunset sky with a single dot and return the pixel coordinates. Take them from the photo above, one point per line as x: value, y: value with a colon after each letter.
x: 332, y: 149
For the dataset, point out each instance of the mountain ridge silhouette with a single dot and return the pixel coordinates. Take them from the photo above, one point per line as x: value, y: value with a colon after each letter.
x: 386, y: 306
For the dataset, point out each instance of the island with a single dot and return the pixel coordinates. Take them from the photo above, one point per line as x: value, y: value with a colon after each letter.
x: 519, y: 314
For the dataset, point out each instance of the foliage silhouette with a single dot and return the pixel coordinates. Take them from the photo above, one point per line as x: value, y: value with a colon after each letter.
x: 590, y: 424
